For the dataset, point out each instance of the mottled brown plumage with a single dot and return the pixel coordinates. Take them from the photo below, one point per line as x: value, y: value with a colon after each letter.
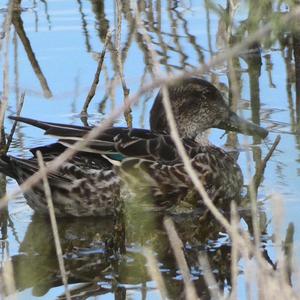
x: 145, y: 161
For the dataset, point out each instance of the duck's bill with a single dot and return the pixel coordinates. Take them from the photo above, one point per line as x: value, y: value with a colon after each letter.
x: 235, y: 123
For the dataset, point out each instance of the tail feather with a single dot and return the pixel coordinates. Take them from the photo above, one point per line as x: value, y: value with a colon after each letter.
x: 54, y: 128
x: 6, y: 167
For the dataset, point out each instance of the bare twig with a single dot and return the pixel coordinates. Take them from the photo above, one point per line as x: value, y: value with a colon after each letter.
x: 13, y: 128
x: 260, y: 171
x: 154, y: 272
x: 4, y: 99
x: 92, y: 91
x: 58, y: 248
x: 127, y: 113
x: 16, y: 66
x: 177, y: 247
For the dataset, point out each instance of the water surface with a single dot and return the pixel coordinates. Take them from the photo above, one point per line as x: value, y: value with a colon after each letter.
x: 66, y: 38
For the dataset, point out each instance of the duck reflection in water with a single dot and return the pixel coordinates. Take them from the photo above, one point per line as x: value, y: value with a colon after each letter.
x: 89, y: 257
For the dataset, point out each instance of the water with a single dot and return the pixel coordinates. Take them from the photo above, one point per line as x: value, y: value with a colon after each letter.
x: 65, y: 37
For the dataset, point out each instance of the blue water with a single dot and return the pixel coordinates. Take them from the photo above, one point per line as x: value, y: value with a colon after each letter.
x: 59, y: 43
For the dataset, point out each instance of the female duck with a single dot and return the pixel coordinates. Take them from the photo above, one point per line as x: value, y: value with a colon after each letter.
x: 89, y: 183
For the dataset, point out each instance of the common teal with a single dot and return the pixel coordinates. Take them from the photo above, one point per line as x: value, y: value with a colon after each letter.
x: 89, y: 184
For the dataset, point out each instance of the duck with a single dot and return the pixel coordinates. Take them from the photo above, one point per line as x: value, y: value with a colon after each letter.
x: 145, y: 161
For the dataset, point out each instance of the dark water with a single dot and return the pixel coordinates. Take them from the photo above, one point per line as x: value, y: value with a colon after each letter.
x: 54, y: 50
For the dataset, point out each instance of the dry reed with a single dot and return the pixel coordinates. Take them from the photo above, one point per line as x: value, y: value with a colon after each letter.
x: 93, y: 88
x: 178, y: 248
x: 154, y: 272
x: 54, y: 227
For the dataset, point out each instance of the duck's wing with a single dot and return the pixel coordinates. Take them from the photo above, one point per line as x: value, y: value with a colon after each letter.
x: 24, y: 168
x: 116, y: 143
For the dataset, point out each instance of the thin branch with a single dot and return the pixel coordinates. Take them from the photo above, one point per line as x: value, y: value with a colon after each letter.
x: 4, y: 98
x: 93, y: 88
x: 58, y: 248
x: 257, y: 179
x: 127, y: 113
x: 13, y: 128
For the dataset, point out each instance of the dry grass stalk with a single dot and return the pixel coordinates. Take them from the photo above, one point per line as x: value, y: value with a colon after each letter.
x: 7, y: 273
x: 209, y: 278
x: 155, y: 273
x: 278, y: 222
x: 93, y: 88
x: 234, y: 81
x: 7, y: 22
x: 288, y: 249
x: 177, y: 248
x: 127, y: 113
x: 260, y: 171
x: 188, y: 165
x: 234, y: 250
x: 4, y: 99
x: 16, y: 67
x: 58, y: 248
x: 252, y: 191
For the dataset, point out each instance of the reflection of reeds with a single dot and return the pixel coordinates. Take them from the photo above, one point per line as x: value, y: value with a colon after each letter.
x: 93, y: 88
x: 242, y: 245
x: 84, y: 27
x: 296, y: 48
x: 18, y: 24
x: 118, y: 32
x: 8, y: 282
x: 4, y: 98
x: 13, y: 128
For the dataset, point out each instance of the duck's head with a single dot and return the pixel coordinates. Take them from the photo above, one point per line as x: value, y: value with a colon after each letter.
x: 197, y: 106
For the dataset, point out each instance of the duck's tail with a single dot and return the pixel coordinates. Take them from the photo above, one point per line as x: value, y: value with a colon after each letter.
x: 6, y: 166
